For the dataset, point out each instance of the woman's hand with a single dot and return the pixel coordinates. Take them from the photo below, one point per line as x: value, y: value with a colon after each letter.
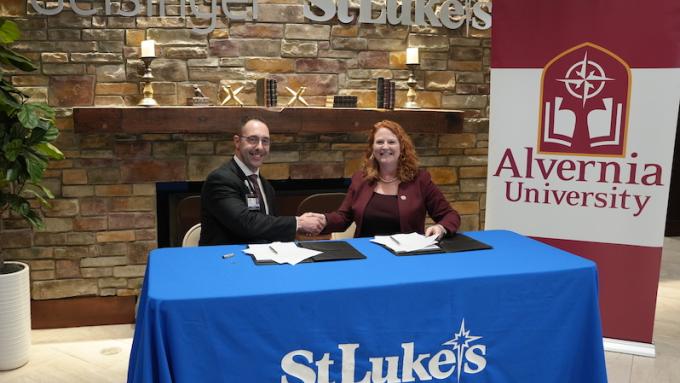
x: 437, y: 230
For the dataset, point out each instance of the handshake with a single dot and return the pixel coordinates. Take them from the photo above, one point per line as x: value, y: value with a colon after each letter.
x: 311, y: 223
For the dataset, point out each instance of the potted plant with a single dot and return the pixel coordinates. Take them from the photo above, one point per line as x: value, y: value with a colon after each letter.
x: 27, y: 131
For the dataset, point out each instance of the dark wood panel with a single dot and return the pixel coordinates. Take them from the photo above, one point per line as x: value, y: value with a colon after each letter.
x: 280, y: 120
x: 84, y: 311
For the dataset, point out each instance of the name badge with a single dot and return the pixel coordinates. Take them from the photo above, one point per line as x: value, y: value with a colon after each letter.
x: 253, y: 202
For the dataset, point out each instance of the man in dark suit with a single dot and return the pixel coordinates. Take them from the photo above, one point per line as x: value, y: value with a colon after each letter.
x: 237, y: 204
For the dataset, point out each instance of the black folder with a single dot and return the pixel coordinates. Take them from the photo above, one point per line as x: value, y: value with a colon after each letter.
x: 457, y: 243
x: 330, y: 251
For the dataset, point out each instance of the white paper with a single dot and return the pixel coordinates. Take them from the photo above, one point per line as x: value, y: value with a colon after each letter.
x: 407, y: 242
x: 280, y: 252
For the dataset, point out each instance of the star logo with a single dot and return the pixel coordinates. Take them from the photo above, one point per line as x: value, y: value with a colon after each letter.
x: 461, y: 341
x: 585, y: 79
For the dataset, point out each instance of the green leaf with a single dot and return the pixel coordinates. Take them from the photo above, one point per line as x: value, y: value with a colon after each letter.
x: 12, y: 149
x: 52, y: 134
x: 45, y: 190
x: 35, y: 166
x: 43, y: 110
x: 28, y: 117
x: 34, y: 219
x: 49, y: 150
x: 20, y: 205
x: 39, y: 197
x: 10, y: 57
x: 7, y: 99
x: 9, y: 32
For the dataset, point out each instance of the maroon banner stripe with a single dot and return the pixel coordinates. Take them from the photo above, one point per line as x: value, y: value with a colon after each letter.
x: 529, y: 33
x: 628, y: 278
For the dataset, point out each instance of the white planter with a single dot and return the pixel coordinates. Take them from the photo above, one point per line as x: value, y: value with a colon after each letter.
x: 15, y: 318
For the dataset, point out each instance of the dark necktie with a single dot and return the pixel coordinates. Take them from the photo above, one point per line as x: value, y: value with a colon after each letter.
x: 258, y: 192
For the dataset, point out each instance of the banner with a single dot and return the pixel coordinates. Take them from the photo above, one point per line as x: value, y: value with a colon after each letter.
x: 584, y: 107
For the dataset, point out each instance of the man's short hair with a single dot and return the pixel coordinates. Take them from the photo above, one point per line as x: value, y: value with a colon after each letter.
x: 246, y: 120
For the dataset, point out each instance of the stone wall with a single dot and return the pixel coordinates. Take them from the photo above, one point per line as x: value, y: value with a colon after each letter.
x: 103, y: 221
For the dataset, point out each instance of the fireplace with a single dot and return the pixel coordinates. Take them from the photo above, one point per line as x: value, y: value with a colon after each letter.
x: 169, y: 195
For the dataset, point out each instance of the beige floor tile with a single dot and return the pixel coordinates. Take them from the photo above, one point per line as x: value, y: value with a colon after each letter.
x: 61, y: 368
x: 101, y: 353
x: 75, y: 334
x: 618, y: 367
x: 662, y: 369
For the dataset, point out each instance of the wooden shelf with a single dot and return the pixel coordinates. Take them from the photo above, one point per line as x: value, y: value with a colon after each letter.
x: 215, y: 119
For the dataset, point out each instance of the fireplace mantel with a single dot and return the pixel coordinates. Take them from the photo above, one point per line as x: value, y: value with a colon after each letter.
x: 194, y: 119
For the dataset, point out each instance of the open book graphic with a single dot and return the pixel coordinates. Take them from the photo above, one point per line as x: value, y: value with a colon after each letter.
x: 604, y: 125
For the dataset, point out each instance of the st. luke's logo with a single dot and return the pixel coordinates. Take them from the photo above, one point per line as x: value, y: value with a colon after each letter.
x: 585, y: 94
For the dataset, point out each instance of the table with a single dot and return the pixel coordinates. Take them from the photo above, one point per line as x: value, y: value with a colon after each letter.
x: 521, y: 312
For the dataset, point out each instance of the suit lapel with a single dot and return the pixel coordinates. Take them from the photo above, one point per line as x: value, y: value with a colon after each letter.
x: 236, y: 169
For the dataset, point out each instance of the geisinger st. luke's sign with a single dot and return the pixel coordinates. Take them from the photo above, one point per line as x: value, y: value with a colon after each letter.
x: 451, y: 14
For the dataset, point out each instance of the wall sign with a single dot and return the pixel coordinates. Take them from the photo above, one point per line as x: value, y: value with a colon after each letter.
x: 451, y: 14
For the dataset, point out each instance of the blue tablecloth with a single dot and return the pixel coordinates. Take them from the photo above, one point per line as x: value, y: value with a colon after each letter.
x: 521, y: 312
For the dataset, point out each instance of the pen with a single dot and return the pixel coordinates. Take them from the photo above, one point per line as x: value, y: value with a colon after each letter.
x: 272, y: 249
x: 395, y: 240
x: 225, y: 256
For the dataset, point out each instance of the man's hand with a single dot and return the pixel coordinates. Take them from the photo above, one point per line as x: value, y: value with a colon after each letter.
x: 437, y: 230
x: 311, y: 223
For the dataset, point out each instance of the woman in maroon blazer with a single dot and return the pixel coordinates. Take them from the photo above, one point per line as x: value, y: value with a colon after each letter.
x: 390, y: 194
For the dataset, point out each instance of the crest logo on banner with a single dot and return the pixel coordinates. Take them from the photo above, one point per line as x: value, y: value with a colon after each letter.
x: 585, y: 93
x: 462, y: 354
x: 584, y: 105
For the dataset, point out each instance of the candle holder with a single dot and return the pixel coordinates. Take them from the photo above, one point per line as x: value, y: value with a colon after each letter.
x: 148, y: 99
x: 411, y: 94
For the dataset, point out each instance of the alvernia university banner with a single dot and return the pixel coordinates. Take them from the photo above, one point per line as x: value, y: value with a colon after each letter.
x: 584, y: 107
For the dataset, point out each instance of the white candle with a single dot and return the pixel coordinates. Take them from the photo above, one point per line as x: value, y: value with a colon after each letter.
x: 149, y: 48
x: 412, y: 56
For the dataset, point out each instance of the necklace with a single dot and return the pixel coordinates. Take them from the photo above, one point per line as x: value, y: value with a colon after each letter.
x: 388, y: 181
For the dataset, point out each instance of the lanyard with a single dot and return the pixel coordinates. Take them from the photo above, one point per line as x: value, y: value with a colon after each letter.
x: 251, y: 187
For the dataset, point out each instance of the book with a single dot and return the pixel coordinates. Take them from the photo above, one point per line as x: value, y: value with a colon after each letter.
x: 386, y: 94
x: 345, y: 101
x: 260, y: 91
x: 272, y: 93
x: 380, y: 93
x: 393, y: 93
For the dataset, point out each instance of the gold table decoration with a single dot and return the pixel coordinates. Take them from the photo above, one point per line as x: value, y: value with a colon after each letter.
x: 230, y: 95
x: 297, y: 96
